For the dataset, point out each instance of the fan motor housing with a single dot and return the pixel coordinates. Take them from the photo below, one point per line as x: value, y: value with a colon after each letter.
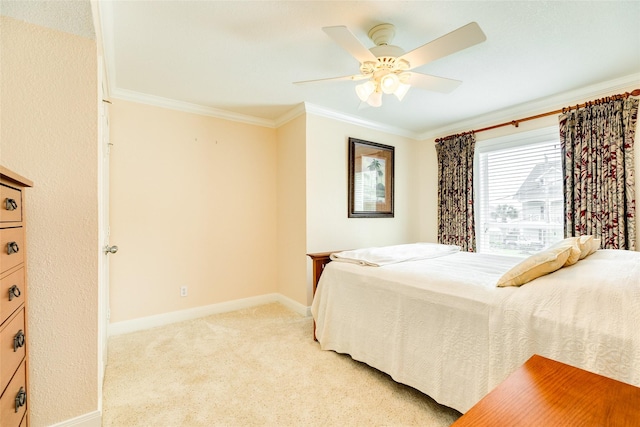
x: 382, y: 34
x: 387, y: 50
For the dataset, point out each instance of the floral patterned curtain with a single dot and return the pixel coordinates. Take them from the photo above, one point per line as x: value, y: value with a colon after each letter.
x: 455, y: 191
x: 598, y: 159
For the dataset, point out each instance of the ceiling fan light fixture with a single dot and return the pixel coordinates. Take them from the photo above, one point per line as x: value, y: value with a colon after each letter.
x: 375, y: 99
x: 365, y: 90
x: 389, y: 83
x: 371, y: 91
x: 401, y: 91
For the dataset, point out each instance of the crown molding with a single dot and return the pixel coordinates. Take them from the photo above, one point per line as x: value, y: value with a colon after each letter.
x: 512, y: 113
x: 302, y: 108
x: 295, y: 112
x: 158, y: 101
x: 309, y: 108
x: 538, y: 106
x: 331, y: 114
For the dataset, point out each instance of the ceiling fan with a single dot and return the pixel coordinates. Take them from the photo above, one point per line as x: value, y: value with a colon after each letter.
x: 387, y: 67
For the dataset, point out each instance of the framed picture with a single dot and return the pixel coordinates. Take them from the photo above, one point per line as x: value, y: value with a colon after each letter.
x: 370, y: 179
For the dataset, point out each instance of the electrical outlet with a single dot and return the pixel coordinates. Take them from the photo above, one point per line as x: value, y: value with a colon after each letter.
x: 183, y: 291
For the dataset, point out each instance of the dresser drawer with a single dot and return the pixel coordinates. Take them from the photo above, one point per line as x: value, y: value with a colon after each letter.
x: 10, y: 204
x: 13, y: 344
x: 11, y: 248
x: 12, y: 292
x: 13, y: 403
x: 14, y: 350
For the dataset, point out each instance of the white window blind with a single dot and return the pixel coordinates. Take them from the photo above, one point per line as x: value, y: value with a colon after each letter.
x: 518, y: 193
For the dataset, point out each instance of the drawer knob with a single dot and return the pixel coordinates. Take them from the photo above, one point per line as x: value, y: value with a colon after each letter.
x: 18, y: 341
x: 21, y: 399
x: 12, y: 248
x: 14, y: 292
x: 10, y: 204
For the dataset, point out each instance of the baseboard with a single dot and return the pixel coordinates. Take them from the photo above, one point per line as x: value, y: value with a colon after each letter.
x: 92, y: 419
x: 303, y: 310
x: 128, y: 326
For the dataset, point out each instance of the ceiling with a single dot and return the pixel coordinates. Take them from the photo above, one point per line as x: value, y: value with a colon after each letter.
x: 242, y: 57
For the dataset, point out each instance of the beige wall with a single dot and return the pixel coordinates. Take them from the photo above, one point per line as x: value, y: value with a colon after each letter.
x: 156, y: 154
x: 429, y: 173
x: 169, y: 167
x: 428, y: 194
x: 328, y: 227
x: 193, y: 203
x: 291, y: 240
x: 48, y: 101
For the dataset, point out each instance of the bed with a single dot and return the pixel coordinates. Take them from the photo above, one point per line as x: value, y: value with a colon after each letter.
x: 442, y: 326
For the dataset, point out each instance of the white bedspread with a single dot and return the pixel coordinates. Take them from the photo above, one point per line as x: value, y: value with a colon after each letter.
x: 384, y: 255
x: 440, y: 325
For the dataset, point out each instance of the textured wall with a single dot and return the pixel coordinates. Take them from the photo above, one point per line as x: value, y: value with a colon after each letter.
x: 48, y: 133
x: 193, y: 203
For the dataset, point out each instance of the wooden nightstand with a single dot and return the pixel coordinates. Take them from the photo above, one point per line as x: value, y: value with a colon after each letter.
x: 319, y: 260
x: 544, y: 392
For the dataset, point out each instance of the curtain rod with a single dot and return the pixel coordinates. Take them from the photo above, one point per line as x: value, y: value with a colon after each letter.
x: 516, y: 123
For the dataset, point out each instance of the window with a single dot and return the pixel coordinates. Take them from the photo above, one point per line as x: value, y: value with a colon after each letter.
x: 518, y: 193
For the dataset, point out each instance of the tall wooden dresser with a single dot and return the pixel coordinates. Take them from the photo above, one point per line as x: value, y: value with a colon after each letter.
x: 13, y: 301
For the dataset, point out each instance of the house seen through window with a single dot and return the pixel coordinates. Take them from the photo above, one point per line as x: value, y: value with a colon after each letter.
x: 518, y: 193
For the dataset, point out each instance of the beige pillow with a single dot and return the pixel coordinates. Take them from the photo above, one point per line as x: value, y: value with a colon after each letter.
x: 585, y: 243
x: 595, y: 245
x: 536, y: 265
x: 576, y: 251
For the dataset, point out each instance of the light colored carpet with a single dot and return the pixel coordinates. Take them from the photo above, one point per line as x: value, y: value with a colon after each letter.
x: 253, y: 367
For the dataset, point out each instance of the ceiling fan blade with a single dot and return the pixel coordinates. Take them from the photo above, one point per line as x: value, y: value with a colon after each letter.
x: 350, y: 43
x: 433, y: 83
x: 457, y: 40
x: 354, y: 77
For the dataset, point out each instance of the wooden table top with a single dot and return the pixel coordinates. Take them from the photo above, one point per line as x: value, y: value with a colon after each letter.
x: 544, y: 392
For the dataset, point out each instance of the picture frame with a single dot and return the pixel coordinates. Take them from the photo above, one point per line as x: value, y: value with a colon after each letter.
x: 371, y: 176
